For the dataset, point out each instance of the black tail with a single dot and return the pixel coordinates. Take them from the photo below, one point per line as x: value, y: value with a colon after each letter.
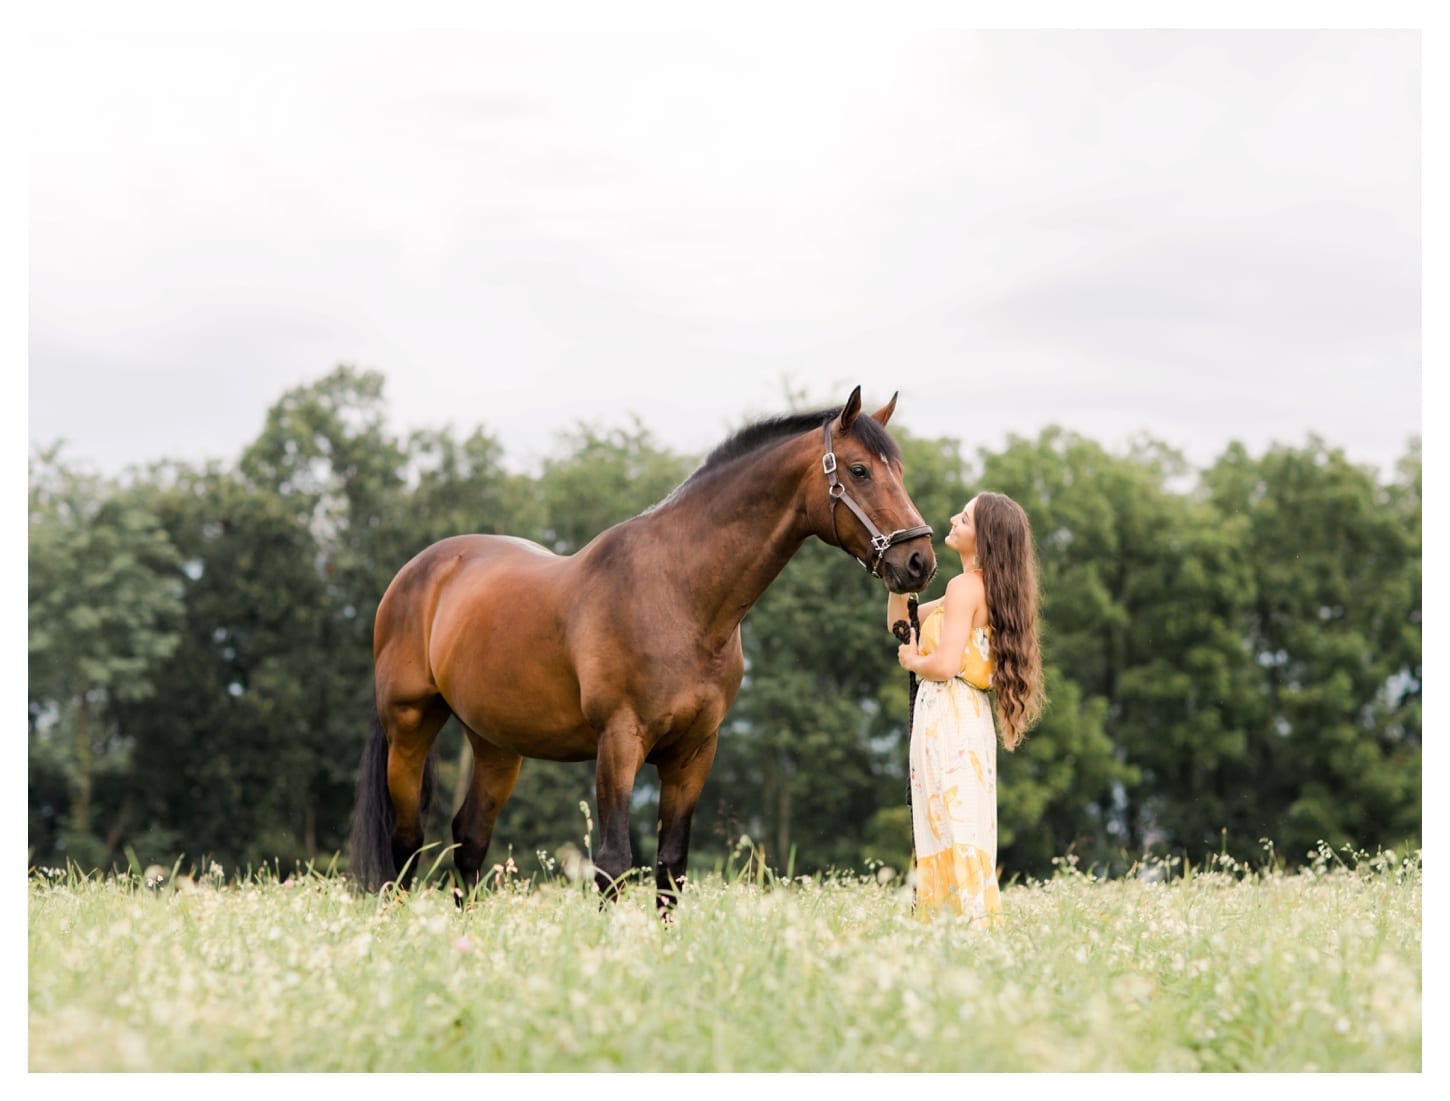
x: 371, y: 859
x: 371, y: 847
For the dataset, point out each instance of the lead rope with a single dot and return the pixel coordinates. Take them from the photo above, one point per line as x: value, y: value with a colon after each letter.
x: 904, y: 633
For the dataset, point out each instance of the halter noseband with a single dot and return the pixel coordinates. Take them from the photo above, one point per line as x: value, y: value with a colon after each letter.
x: 879, y: 543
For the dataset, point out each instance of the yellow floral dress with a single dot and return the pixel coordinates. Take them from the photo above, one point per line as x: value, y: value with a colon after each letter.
x: 954, y: 783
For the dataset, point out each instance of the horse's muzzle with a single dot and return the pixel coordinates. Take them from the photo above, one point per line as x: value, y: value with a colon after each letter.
x: 909, y: 567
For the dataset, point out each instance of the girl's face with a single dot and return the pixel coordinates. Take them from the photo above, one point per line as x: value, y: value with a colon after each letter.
x: 962, y: 537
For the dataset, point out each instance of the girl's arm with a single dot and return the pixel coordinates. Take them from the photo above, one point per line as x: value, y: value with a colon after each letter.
x: 965, y: 599
x: 896, y: 609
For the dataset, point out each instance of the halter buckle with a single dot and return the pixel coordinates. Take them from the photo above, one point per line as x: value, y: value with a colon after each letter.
x: 828, y: 462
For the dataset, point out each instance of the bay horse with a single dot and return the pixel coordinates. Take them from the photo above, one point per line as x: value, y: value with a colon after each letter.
x: 627, y: 651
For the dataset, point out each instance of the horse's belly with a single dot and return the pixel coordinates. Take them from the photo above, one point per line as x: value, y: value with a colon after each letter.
x: 520, y: 713
x: 577, y: 744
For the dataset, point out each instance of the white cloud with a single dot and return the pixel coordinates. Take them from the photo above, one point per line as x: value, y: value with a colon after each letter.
x: 1202, y: 235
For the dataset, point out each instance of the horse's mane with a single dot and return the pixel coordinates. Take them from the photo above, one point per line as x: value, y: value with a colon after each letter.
x: 763, y: 433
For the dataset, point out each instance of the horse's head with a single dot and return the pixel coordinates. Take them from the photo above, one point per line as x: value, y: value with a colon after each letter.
x: 867, y: 511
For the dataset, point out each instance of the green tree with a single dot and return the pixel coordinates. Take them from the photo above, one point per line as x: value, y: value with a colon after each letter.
x: 1058, y: 791
x: 455, y: 487
x: 1335, y: 628
x: 287, y: 558
x: 601, y: 477
x: 103, y: 586
x: 1230, y: 654
x: 237, y: 758
x: 251, y: 752
x: 326, y: 452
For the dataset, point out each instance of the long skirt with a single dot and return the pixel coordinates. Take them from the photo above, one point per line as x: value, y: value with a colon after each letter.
x: 954, y: 801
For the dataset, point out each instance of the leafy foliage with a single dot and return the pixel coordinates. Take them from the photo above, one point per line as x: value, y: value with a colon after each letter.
x: 1231, y: 654
x: 103, y: 583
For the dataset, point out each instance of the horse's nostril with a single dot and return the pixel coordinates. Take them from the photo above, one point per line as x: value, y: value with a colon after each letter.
x: 916, y: 564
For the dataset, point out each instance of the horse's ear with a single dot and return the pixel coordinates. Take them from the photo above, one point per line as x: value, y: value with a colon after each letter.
x: 882, y: 415
x: 851, y: 411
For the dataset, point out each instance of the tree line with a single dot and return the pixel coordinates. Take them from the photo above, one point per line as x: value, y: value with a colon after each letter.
x: 1232, y: 654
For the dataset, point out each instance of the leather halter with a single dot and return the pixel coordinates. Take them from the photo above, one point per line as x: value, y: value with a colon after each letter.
x: 880, y: 544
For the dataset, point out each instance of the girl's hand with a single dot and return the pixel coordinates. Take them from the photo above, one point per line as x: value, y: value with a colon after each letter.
x: 907, y: 655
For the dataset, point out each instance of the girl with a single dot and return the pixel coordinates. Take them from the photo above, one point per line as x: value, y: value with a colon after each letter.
x: 977, y: 647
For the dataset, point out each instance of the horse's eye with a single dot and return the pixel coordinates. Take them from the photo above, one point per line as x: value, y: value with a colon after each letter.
x: 860, y: 471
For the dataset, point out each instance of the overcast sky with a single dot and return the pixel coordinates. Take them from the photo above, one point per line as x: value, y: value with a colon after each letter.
x: 1199, y: 235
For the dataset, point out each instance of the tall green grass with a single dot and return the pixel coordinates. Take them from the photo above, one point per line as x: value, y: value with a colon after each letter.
x: 1224, y: 968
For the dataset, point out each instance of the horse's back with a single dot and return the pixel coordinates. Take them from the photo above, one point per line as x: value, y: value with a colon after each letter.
x: 460, y: 569
x: 432, y: 565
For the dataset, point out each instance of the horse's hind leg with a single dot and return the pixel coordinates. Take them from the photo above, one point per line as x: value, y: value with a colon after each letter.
x: 411, y: 726
x: 495, y: 771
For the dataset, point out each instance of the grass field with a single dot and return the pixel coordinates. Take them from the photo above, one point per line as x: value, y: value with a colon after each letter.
x: 1225, y: 968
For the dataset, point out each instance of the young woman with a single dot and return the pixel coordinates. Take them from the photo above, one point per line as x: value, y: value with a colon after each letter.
x: 977, y: 648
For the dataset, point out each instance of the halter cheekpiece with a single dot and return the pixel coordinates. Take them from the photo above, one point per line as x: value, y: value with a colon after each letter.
x: 880, y: 543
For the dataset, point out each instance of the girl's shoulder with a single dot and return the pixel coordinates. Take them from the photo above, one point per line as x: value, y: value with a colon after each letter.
x: 967, y: 585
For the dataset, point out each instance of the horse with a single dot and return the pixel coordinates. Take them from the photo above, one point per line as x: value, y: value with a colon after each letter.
x: 626, y: 652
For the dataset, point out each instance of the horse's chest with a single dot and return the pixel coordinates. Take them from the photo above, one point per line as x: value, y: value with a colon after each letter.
x: 698, y: 699
x: 722, y: 670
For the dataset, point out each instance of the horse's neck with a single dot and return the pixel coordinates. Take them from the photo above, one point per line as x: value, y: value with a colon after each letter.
x: 728, y: 537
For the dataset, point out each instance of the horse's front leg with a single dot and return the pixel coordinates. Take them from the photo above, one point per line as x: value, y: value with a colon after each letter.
x: 681, y: 781
x: 621, y: 753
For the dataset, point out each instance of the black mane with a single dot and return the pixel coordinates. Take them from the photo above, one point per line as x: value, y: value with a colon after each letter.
x: 763, y: 433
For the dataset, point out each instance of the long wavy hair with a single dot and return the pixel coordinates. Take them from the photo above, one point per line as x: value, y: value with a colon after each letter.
x: 1008, y: 558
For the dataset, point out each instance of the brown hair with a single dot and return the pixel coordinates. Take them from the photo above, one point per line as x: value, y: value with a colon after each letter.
x: 1009, y: 573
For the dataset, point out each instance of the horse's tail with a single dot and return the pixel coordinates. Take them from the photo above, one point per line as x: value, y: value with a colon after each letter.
x: 371, y: 847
